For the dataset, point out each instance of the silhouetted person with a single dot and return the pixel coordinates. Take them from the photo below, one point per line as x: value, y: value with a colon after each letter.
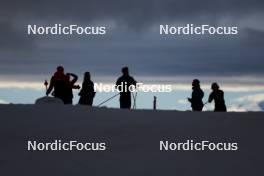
x: 197, y: 96
x: 71, y: 85
x: 123, y: 83
x: 59, y: 82
x: 87, y: 92
x: 218, y: 96
x: 62, y: 86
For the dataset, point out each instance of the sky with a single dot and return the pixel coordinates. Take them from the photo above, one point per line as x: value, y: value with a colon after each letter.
x: 133, y: 39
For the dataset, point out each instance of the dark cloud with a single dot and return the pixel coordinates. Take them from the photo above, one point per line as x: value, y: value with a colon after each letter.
x: 133, y: 38
x: 13, y: 38
x: 134, y: 12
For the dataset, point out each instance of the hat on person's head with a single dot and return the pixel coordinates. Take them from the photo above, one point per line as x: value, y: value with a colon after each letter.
x: 196, y: 81
x: 215, y: 86
x: 124, y: 69
x: 60, y: 69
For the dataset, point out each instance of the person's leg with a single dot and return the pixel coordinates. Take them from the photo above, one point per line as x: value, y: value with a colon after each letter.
x: 90, y: 101
x: 81, y: 100
x: 128, y: 102
x: 122, y: 103
x: 69, y: 101
x: 125, y: 101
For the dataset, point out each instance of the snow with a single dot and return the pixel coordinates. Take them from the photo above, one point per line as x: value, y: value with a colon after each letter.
x: 48, y: 100
x: 132, y: 139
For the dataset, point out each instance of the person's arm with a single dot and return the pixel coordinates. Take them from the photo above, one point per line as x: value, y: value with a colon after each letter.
x: 222, y: 95
x: 118, y: 83
x: 73, y: 81
x: 191, y: 99
x: 75, y: 78
x: 76, y: 87
x: 202, y: 94
x: 50, y: 86
x: 92, y: 85
x: 82, y: 90
x: 211, y: 97
x: 134, y: 82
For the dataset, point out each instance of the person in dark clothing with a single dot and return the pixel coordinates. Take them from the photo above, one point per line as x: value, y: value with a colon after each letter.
x: 68, y: 89
x: 61, y: 85
x: 123, y: 83
x: 218, y: 96
x: 197, y: 96
x: 58, y: 82
x: 87, y: 92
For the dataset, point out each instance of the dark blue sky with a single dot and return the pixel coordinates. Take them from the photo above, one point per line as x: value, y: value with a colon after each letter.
x: 132, y: 38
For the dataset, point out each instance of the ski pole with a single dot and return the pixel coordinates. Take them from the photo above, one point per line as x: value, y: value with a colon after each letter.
x: 133, y: 97
x: 108, y: 99
x: 135, y: 101
x: 155, y: 103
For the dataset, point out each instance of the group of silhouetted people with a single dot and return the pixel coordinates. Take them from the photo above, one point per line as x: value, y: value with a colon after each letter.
x: 216, y: 95
x: 63, y: 84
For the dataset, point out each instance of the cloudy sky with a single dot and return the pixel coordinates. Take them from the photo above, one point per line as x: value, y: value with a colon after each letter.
x: 133, y: 39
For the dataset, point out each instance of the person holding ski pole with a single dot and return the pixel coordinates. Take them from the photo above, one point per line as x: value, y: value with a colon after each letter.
x: 123, y: 85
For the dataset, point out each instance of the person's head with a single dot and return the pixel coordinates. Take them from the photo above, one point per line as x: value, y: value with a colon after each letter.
x: 214, y: 86
x: 60, y: 69
x: 196, y: 83
x: 125, y: 71
x: 87, y: 76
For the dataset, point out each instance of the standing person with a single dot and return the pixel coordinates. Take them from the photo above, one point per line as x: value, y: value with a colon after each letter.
x: 218, y: 96
x: 123, y: 83
x: 87, y: 92
x: 197, y: 96
x: 59, y: 82
x: 62, y: 85
x: 71, y: 85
